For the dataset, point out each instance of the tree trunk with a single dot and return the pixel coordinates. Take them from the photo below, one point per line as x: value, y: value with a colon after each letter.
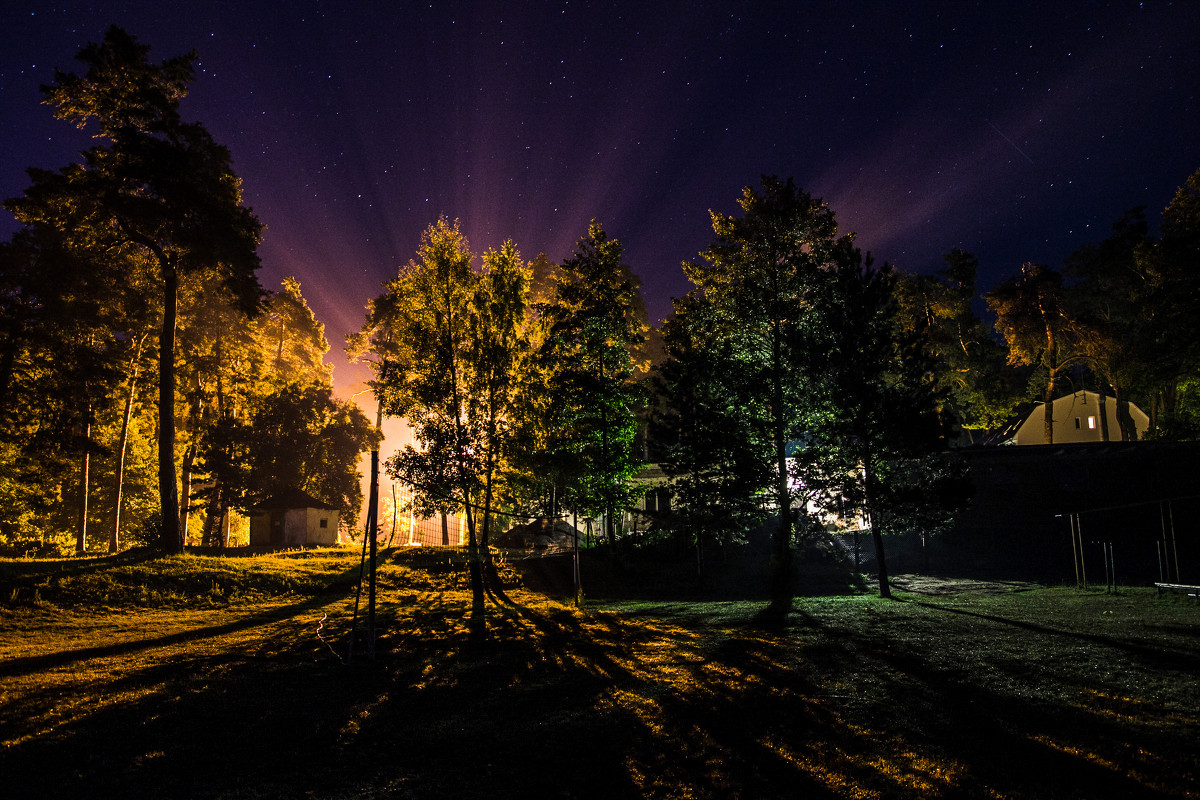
x: 185, y: 493
x: 575, y: 557
x: 1048, y: 411
x: 885, y: 588
x: 781, y: 578
x: 489, y: 469
x: 1102, y: 412
x: 373, y: 534
x: 473, y: 548
x: 1125, y: 421
x: 81, y: 534
x: 609, y: 531
x: 171, y: 539
x: 1051, y: 378
x: 477, y: 624
x: 189, y: 461
x: 114, y: 538
x: 214, y: 516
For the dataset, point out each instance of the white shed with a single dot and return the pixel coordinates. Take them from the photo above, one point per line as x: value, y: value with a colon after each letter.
x: 293, y: 519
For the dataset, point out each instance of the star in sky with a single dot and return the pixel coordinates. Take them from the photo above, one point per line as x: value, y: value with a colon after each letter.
x: 1017, y: 132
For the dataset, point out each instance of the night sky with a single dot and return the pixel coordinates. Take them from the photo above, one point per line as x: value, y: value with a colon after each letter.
x: 1017, y: 131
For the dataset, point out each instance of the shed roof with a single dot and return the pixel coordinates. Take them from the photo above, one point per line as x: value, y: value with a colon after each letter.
x: 292, y: 498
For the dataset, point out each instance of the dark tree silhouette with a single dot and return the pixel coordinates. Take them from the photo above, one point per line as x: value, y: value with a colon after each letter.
x: 158, y: 185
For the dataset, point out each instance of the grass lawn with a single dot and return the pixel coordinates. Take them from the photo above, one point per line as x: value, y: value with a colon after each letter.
x: 225, y: 678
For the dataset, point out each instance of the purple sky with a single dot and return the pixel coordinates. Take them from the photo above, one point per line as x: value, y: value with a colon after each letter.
x: 1017, y: 131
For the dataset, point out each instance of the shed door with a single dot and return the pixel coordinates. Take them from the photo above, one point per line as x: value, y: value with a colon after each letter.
x: 276, y: 528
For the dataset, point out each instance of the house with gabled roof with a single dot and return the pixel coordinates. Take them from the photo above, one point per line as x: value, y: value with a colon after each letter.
x: 1081, y: 417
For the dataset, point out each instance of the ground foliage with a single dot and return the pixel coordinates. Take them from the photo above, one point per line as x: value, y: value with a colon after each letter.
x: 964, y: 690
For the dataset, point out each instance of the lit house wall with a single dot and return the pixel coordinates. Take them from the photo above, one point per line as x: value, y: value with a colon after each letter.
x: 1077, y: 418
x: 293, y: 520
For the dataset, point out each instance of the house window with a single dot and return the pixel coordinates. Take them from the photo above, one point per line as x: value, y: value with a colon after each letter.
x: 324, y: 522
x: 1092, y: 423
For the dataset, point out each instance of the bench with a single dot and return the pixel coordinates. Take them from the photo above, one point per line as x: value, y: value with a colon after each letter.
x: 1192, y: 591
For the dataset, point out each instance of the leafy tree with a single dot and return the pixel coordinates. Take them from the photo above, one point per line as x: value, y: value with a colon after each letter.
x: 593, y: 325
x: 716, y: 463
x: 37, y: 419
x: 762, y: 276
x: 229, y: 365
x: 1033, y: 316
x: 980, y: 391
x: 879, y: 439
x: 298, y: 437
x: 60, y: 365
x: 158, y: 186
x: 296, y: 339
x: 1172, y: 270
x: 421, y: 331
x: 1110, y: 296
x: 499, y: 334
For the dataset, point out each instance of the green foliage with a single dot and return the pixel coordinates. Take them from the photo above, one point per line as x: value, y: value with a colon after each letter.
x: 717, y: 464
x: 297, y: 437
x: 159, y: 194
x: 1171, y: 313
x: 980, y: 390
x: 790, y: 345
x: 763, y: 279
x: 593, y: 325
x: 423, y: 326
x: 500, y: 336
x: 1042, y: 330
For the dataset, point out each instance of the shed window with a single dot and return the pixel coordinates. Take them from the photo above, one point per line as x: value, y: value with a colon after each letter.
x: 1077, y: 423
x: 1092, y: 423
x: 324, y: 522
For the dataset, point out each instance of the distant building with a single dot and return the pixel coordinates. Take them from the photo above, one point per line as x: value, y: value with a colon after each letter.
x: 293, y: 519
x: 1081, y: 417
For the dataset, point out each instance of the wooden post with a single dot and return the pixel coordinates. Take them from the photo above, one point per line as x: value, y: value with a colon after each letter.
x: 1174, y: 541
x: 1074, y: 548
x: 373, y: 533
x: 411, y: 520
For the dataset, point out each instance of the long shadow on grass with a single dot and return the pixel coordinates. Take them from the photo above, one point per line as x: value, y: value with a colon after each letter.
x: 655, y: 707
x: 564, y: 704
x: 561, y: 703
x: 992, y: 732
x: 29, y: 664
